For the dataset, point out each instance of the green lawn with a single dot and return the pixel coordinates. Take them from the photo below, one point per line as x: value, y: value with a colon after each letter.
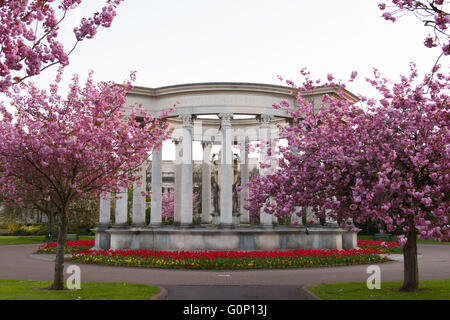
x: 26, y: 290
x: 30, y: 239
x: 429, y: 241
x: 428, y: 290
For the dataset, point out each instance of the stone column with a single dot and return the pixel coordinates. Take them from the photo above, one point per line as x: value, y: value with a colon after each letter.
x: 102, y: 238
x: 122, y: 208
x: 186, y: 172
x: 311, y: 217
x: 138, y: 198
x: 105, y: 211
x: 177, y: 183
x: 245, y: 217
x: 206, y: 182
x: 265, y: 219
x: 330, y: 221
x: 350, y: 238
x: 156, y: 204
x: 295, y: 219
x: 226, y: 164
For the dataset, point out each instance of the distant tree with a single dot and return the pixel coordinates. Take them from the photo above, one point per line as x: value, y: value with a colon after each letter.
x: 83, y: 214
x: 168, y: 205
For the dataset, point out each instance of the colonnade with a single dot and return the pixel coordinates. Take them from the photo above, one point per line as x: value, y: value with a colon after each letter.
x: 183, y: 182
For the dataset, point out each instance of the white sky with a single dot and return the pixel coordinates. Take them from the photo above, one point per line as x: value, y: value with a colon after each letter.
x: 186, y: 41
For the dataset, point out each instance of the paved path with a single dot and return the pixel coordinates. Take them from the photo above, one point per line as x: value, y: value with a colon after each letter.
x: 17, y: 262
x: 233, y: 292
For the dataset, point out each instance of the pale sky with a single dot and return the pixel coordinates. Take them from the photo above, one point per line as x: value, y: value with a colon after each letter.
x: 187, y: 41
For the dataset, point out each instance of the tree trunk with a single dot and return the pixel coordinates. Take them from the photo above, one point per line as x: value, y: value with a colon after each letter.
x: 411, y: 270
x: 50, y: 222
x: 58, y: 281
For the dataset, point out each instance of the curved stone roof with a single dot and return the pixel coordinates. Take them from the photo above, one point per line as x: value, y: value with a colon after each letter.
x: 221, y: 97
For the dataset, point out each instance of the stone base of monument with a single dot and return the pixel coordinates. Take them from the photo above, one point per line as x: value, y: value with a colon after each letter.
x: 102, y: 238
x: 236, y: 238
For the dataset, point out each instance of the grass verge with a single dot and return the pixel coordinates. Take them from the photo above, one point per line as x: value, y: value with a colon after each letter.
x: 428, y: 290
x: 30, y: 239
x: 28, y: 290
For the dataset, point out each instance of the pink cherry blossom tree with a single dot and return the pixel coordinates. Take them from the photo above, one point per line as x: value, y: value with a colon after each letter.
x: 386, y: 160
x: 29, y: 33
x: 168, y: 205
x: 57, y: 150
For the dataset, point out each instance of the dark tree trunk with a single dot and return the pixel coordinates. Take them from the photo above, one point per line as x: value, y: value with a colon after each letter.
x: 411, y: 270
x: 51, y: 222
x: 58, y: 281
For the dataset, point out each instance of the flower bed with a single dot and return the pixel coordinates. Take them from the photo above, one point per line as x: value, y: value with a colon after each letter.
x: 382, y: 246
x: 83, y: 245
x: 368, y: 253
x: 71, y: 246
x: 229, y: 260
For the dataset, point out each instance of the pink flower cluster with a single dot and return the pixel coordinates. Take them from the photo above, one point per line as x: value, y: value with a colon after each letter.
x: 89, y: 27
x: 433, y: 14
x: 29, y: 35
x: 168, y: 205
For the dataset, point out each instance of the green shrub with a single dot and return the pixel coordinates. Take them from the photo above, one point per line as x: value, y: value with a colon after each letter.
x: 167, y: 222
x: 197, y: 220
x: 31, y: 230
x: 81, y: 230
x: 20, y: 232
x: 13, y: 227
x: 283, y: 221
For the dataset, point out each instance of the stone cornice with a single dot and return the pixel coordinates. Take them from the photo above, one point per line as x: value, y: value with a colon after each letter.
x: 216, y: 87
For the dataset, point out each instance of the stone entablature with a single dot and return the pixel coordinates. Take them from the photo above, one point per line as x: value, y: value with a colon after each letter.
x: 222, y: 97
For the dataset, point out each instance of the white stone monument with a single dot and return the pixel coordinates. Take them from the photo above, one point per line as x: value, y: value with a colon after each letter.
x: 215, y: 114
